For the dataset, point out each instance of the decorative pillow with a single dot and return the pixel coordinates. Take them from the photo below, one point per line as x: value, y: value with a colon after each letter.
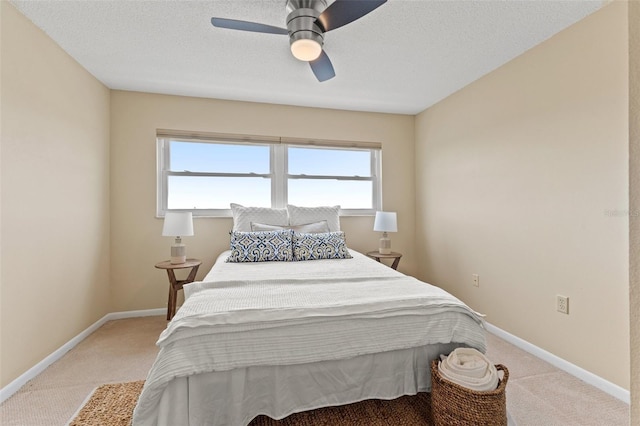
x: 329, y: 245
x: 302, y: 215
x: 243, y: 216
x: 261, y: 246
x: 309, y: 228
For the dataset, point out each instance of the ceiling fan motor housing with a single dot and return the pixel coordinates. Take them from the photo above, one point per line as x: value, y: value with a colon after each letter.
x: 302, y: 18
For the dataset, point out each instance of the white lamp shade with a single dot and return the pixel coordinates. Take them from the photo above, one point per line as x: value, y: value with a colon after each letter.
x: 177, y: 224
x: 386, y: 222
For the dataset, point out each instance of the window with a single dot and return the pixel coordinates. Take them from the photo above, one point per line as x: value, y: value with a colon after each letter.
x: 204, y: 173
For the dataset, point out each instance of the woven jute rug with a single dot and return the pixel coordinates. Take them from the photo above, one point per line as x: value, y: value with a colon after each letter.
x: 404, y: 411
x: 109, y: 405
x: 112, y: 405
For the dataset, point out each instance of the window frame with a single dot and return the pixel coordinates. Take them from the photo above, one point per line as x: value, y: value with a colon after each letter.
x: 278, y: 168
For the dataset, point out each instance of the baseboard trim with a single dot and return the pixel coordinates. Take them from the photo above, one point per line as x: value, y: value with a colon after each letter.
x: 20, y: 381
x: 582, y: 374
x: 134, y: 314
x: 604, y: 385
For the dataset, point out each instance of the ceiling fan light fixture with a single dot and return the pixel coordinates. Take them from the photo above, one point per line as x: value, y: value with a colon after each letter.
x: 306, y: 49
x: 307, y: 22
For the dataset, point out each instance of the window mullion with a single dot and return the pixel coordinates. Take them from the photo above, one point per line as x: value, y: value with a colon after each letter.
x: 284, y: 171
x: 330, y: 177
x: 212, y: 174
x: 279, y: 178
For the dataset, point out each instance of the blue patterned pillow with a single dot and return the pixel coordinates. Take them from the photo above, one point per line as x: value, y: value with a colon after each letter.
x: 328, y: 245
x: 263, y: 246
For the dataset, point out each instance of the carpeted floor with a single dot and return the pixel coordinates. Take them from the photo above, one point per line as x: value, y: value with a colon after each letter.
x: 123, y: 351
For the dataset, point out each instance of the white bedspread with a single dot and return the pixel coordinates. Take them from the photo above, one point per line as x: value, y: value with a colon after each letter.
x: 274, y: 321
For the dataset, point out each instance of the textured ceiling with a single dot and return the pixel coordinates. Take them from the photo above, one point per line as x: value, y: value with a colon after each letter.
x: 402, y: 58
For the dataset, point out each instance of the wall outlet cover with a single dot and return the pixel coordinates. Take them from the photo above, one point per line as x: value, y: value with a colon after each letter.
x: 562, y: 304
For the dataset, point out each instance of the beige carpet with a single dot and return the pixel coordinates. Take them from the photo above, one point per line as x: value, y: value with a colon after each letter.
x: 123, y: 351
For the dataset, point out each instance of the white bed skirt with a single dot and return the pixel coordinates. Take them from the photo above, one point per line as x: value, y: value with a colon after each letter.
x: 236, y: 396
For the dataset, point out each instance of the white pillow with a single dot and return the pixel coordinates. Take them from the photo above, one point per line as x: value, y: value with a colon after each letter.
x: 243, y: 216
x: 302, y: 215
x: 309, y: 228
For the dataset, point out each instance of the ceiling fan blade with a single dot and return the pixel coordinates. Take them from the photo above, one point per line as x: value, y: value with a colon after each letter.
x: 322, y: 67
x: 234, y: 24
x: 342, y: 12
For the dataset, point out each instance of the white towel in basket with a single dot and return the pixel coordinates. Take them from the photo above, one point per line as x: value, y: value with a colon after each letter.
x: 469, y: 368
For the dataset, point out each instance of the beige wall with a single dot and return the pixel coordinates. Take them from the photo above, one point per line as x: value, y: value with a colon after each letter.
x: 514, y: 176
x: 634, y: 204
x: 136, y: 238
x: 55, y: 199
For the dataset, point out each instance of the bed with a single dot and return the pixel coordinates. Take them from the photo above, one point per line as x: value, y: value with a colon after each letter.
x: 276, y: 338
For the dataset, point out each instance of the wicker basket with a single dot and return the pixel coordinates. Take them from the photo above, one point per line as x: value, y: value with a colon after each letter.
x: 452, y: 404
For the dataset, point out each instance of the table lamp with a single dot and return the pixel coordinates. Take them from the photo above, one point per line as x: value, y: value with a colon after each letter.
x: 385, y: 222
x: 178, y: 224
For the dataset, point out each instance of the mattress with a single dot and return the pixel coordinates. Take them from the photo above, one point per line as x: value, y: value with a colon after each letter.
x: 359, y: 266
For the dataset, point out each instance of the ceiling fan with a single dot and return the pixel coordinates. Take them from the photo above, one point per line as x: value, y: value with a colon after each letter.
x: 307, y: 21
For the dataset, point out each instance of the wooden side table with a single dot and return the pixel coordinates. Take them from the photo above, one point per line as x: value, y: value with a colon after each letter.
x: 393, y: 255
x: 174, y: 284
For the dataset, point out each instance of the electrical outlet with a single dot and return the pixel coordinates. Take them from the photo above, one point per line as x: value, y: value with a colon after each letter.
x: 476, y: 280
x: 562, y: 304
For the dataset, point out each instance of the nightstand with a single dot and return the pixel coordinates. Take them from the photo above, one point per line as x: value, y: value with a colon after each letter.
x: 393, y: 255
x: 174, y: 284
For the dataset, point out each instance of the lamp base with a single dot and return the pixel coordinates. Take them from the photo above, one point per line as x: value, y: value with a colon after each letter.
x: 385, y: 245
x: 178, y: 254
